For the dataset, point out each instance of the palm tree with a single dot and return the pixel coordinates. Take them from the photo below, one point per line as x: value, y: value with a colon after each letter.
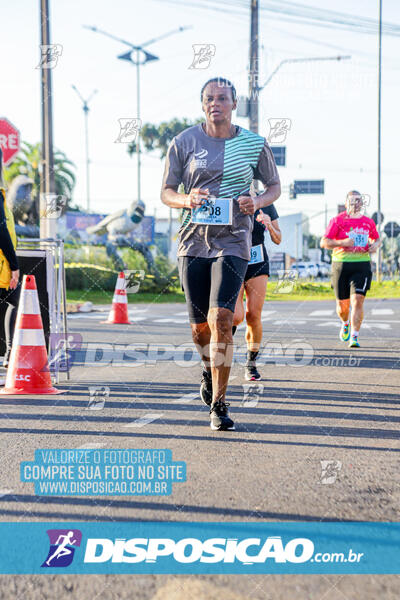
x: 28, y: 163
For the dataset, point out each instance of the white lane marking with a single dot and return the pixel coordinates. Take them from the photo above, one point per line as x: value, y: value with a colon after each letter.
x: 186, y: 398
x: 289, y: 322
x: 85, y: 316
x: 90, y: 446
x: 365, y: 325
x: 5, y: 492
x: 382, y: 311
x: 184, y: 313
x: 132, y: 315
x: 265, y: 313
x: 136, y: 319
x: 145, y: 420
x: 169, y: 320
x: 321, y: 313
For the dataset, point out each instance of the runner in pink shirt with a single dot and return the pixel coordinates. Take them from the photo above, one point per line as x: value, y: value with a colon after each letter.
x: 353, y: 237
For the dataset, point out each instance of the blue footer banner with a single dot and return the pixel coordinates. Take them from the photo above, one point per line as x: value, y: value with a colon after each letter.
x: 190, y: 548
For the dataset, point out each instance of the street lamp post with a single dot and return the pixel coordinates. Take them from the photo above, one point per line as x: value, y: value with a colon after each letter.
x: 138, y: 52
x: 47, y: 185
x: 300, y: 60
x: 85, y: 107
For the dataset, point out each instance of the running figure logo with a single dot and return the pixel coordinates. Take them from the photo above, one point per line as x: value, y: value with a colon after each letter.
x: 54, y: 205
x: 251, y: 394
x: 49, y: 55
x: 286, y: 281
x: 133, y: 279
x: 128, y: 130
x: 278, y: 130
x: 330, y: 470
x: 62, y: 547
x: 203, y: 54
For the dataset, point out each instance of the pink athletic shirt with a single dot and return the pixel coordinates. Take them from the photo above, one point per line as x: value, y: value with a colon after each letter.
x: 361, y: 230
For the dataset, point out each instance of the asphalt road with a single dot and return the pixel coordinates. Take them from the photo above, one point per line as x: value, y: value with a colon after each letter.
x: 317, y: 439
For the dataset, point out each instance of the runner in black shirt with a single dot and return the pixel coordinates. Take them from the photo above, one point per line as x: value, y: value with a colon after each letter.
x: 255, y: 285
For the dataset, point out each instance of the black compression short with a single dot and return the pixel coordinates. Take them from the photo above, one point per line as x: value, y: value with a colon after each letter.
x: 261, y: 268
x: 351, y: 278
x: 210, y: 283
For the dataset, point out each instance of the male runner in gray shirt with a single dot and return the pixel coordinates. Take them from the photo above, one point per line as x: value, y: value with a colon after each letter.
x: 216, y: 161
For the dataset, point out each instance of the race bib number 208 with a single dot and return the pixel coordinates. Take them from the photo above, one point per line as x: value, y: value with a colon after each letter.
x: 214, y: 211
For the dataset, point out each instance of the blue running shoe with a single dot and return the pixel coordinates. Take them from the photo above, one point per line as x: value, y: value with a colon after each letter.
x: 354, y: 342
x: 344, y: 334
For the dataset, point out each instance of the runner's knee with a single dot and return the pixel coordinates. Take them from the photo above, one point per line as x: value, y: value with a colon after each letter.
x: 220, y: 320
x: 198, y: 330
x: 238, y: 317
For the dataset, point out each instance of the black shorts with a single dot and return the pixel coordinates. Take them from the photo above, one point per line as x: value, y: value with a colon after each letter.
x: 210, y: 283
x: 351, y: 278
x: 261, y: 268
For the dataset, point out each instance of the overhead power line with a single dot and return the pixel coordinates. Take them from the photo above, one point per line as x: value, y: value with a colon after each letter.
x: 296, y: 13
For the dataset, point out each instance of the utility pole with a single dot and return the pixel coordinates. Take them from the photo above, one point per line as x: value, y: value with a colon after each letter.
x: 254, y: 66
x: 379, y: 257
x: 85, y: 107
x: 47, y: 225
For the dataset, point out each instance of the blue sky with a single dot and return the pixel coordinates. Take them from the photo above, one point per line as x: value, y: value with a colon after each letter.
x: 332, y: 106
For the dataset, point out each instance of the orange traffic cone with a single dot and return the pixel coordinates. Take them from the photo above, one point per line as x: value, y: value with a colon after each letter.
x: 119, y: 309
x: 28, y: 371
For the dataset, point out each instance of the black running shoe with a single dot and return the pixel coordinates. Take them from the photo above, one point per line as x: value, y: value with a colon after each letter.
x: 206, y: 388
x: 220, y: 420
x: 251, y: 373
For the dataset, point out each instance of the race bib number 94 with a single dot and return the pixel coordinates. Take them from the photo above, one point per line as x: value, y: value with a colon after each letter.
x: 214, y: 211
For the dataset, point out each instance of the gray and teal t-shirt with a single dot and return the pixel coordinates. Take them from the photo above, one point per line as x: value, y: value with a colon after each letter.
x: 226, y: 166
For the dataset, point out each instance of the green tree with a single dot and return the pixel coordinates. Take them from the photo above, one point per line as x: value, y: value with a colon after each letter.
x: 28, y: 163
x: 159, y: 137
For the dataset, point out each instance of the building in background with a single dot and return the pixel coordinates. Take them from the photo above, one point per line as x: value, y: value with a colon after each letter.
x: 293, y: 228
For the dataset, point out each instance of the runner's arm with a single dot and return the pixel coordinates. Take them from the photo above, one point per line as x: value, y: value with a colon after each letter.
x: 374, y: 246
x: 275, y: 232
x: 374, y: 238
x: 269, y: 196
x: 329, y: 243
x: 267, y: 173
x: 173, y: 177
x: 173, y: 199
x: 272, y: 226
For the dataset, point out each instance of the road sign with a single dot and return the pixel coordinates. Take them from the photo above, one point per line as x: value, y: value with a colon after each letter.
x: 392, y: 229
x: 375, y: 218
x: 309, y: 186
x: 9, y: 141
x: 279, y: 153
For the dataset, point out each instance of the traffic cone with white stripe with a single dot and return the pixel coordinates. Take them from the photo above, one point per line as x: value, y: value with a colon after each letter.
x: 28, y: 371
x: 119, y: 309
